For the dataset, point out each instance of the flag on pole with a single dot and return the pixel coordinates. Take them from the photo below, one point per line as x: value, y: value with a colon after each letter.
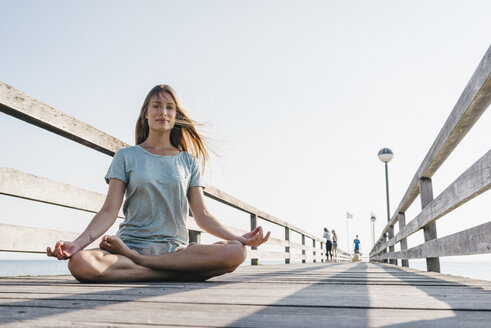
x: 348, y: 215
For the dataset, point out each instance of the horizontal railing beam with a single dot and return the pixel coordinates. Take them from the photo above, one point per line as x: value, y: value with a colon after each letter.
x: 473, y: 102
x: 28, y: 186
x: 224, y: 198
x: 473, y: 182
x: 476, y: 240
x: 15, y: 238
x: 26, y: 108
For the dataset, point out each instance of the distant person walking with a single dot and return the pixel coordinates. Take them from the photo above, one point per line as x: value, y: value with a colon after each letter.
x: 334, y: 245
x: 356, y: 242
x: 327, y: 235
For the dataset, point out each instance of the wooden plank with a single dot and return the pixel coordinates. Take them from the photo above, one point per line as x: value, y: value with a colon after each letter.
x: 298, y: 295
x: 266, y: 254
x: 476, y: 240
x: 473, y: 182
x: 380, y: 247
x: 24, y: 107
x: 402, y: 223
x: 215, y: 315
x: 281, y: 293
x: 28, y: 186
x: 222, y: 197
x: 277, y: 242
x: 18, y: 104
x: 472, y: 103
x: 426, y: 196
x: 33, y: 240
x: 15, y: 238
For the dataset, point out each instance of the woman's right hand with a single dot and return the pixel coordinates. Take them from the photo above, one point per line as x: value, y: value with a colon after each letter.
x: 63, y: 250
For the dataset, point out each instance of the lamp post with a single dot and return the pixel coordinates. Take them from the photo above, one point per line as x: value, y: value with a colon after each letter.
x: 385, y: 155
x: 373, y: 218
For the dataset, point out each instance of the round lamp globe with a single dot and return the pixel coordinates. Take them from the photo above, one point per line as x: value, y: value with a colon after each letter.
x: 385, y: 155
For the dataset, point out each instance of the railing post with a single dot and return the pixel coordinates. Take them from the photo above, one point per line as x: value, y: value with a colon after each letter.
x: 254, y: 261
x: 303, y: 250
x: 323, y: 253
x: 426, y: 195
x: 391, y: 248
x: 313, y: 245
x: 287, y: 248
x: 402, y: 223
x: 194, y: 236
x: 385, y: 249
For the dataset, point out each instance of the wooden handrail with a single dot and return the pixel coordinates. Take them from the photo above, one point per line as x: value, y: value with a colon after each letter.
x: 473, y: 102
x: 28, y: 186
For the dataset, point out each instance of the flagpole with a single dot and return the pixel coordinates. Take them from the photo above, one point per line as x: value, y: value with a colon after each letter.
x: 348, y: 216
x: 347, y: 233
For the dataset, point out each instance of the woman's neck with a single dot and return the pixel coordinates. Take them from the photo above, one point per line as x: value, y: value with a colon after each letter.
x: 156, y: 142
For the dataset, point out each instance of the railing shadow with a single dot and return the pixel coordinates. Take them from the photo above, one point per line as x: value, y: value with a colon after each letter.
x: 471, y: 305
x: 44, y: 307
x: 335, y: 301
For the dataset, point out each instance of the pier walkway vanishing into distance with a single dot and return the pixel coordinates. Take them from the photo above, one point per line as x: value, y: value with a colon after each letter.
x: 345, y: 294
x: 308, y: 294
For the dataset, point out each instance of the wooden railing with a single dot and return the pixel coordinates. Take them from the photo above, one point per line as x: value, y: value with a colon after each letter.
x: 473, y: 102
x: 19, y: 184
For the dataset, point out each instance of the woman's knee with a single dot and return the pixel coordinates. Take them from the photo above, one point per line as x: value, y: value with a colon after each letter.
x: 235, y: 254
x: 83, y: 266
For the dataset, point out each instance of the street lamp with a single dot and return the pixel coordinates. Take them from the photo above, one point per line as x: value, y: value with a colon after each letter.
x: 385, y: 155
x: 373, y: 218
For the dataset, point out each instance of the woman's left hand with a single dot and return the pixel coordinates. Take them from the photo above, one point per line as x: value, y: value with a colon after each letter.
x: 254, y: 238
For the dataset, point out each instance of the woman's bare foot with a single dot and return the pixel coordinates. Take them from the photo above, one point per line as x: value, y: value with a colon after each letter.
x: 115, y: 245
x: 191, y: 244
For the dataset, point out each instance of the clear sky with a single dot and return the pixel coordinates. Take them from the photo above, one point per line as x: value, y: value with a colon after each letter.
x: 297, y: 96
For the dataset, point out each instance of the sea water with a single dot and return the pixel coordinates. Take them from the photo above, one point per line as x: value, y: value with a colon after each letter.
x: 10, y: 268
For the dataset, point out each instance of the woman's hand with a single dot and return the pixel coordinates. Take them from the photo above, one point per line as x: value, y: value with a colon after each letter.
x: 63, y: 250
x: 254, y: 238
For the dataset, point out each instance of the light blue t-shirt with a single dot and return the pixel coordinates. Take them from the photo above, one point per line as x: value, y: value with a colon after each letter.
x: 156, y: 205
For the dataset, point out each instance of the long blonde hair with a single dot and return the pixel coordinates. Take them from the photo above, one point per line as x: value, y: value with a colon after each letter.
x: 183, y: 135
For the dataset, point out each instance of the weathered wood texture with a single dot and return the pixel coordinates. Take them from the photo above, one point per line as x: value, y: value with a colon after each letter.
x: 28, y: 186
x: 402, y: 223
x: 430, y: 233
x: 17, y: 104
x: 306, y: 295
x: 476, y: 240
x: 473, y: 182
x: 223, y: 197
x: 15, y: 238
x: 32, y: 240
x: 473, y: 102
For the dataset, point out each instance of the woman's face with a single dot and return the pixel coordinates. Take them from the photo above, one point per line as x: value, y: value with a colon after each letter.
x: 161, y: 112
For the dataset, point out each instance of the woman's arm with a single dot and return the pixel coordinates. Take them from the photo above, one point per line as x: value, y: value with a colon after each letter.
x: 208, y: 223
x: 102, y: 221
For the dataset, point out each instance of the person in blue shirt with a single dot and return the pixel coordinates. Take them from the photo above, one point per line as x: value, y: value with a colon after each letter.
x: 357, y: 244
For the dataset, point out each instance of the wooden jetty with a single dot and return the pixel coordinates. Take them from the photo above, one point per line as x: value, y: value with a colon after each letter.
x: 295, y: 295
x: 307, y: 294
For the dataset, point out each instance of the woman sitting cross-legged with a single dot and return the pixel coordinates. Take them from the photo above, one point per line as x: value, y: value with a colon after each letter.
x: 161, y: 181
